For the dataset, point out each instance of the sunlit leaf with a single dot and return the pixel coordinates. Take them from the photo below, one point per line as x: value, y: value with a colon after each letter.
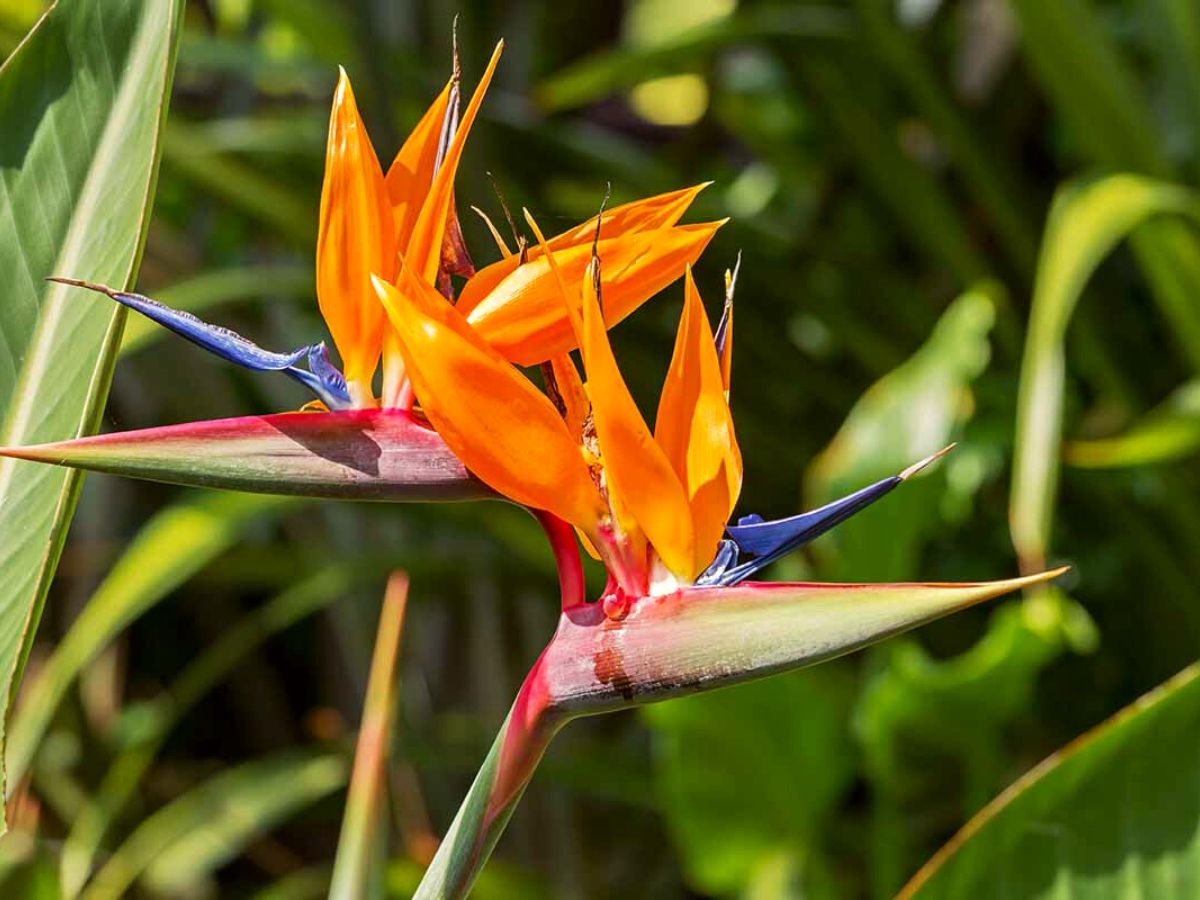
x: 1086, y: 221
x: 1114, y: 815
x: 82, y: 101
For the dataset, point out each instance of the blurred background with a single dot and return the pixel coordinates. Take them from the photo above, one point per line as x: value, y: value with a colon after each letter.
x: 888, y: 166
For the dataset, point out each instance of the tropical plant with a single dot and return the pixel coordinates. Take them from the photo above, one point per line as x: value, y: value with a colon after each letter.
x: 885, y: 214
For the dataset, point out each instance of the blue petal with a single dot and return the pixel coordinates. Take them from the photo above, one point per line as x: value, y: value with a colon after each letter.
x: 727, y: 556
x: 759, y: 538
x: 766, y: 542
x: 322, y: 377
x: 224, y: 343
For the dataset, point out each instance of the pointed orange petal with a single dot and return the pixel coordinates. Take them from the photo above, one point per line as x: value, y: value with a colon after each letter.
x: 570, y: 389
x: 355, y: 240
x: 695, y: 428
x: 502, y: 428
x: 639, y: 474
x: 410, y: 177
x: 524, y: 318
x: 647, y: 214
x: 425, y: 245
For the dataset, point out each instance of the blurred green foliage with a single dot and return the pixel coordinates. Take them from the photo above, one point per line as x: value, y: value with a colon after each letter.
x: 889, y: 167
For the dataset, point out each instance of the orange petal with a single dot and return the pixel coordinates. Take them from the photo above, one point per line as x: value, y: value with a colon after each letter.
x: 355, y: 240
x: 576, y: 405
x: 695, y: 428
x: 425, y: 246
x: 410, y: 177
x: 647, y: 214
x: 524, y: 317
x: 638, y: 473
x: 502, y: 428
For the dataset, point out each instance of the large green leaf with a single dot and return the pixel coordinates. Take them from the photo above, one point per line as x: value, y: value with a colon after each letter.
x: 1117, y: 814
x: 82, y: 101
x: 1086, y: 221
x: 935, y: 733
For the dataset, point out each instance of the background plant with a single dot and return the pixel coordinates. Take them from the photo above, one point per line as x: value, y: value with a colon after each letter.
x: 890, y: 170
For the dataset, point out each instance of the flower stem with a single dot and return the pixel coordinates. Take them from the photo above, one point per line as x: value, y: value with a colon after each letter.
x: 493, y: 795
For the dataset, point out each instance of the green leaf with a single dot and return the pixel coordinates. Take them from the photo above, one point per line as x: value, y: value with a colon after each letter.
x: 914, y: 410
x: 171, y: 546
x: 776, y: 760
x: 1114, y: 815
x: 933, y: 731
x: 1168, y: 432
x: 1086, y: 221
x: 199, y: 831
x: 1093, y: 88
x: 82, y: 101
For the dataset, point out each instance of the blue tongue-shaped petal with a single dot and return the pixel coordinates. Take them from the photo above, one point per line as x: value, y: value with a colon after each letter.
x: 756, y: 537
x: 324, y: 379
x: 767, y: 541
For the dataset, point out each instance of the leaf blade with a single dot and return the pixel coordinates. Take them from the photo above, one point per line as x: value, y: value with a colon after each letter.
x: 82, y: 101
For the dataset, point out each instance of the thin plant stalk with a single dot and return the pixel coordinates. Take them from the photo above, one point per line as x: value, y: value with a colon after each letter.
x: 357, y: 868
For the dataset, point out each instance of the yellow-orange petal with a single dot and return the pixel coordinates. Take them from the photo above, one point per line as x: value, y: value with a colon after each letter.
x: 493, y: 418
x: 647, y: 214
x: 638, y: 473
x: 524, y: 318
x: 695, y: 428
x: 425, y: 246
x: 355, y: 239
x: 410, y: 176
x: 567, y: 382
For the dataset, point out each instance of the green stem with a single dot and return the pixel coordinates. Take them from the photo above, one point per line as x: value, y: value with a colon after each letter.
x: 489, y: 803
x: 357, y: 867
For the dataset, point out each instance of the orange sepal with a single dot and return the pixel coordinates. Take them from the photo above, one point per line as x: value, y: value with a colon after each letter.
x: 425, y: 246
x: 638, y: 473
x: 694, y: 427
x: 502, y: 428
x: 410, y: 176
x: 355, y: 239
x: 576, y: 406
x: 524, y: 318
x: 647, y: 214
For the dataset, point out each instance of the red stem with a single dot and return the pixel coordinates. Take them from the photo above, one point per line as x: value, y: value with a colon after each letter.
x: 566, y: 557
